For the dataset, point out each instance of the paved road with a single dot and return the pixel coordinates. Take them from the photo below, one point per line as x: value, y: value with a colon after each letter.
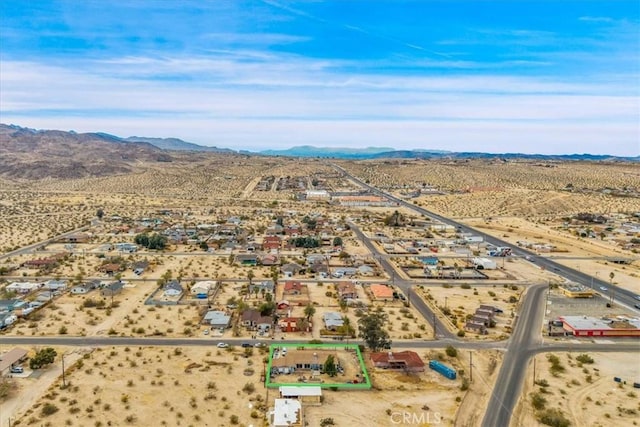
x: 585, y: 345
x: 404, y: 285
x: 525, y: 340
x: 29, y: 248
x: 624, y: 296
x: 509, y: 382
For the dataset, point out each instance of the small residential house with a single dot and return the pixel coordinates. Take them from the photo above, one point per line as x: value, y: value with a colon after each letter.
x: 112, y: 289
x: 217, y: 319
x: 381, y: 292
x: 291, y: 269
x: 270, y: 243
x: 346, y: 290
x: 86, y: 287
x: 405, y: 361
x: 477, y: 327
x: 294, y: 361
x: 269, y: 286
x: 201, y: 289
x: 309, y: 395
x: 283, y: 307
x: 22, y: 287
x: 294, y: 324
x: 270, y: 259
x: 286, y: 413
x: 110, y: 268
x: 366, y: 270
x: 332, y: 320
x: 172, y: 288
x: 253, y: 320
x: 247, y: 259
x: 294, y: 287
x: 55, y: 285
x: 11, y: 304
x: 297, y: 293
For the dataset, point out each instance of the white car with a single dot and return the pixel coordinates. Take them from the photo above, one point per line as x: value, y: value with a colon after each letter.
x: 603, y: 288
x: 223, y: 345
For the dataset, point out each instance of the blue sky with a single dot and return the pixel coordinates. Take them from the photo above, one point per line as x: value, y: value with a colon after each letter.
x: 495, y: 76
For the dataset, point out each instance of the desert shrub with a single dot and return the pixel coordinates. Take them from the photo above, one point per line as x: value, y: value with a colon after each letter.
x: 49, y: 409
x: 327, y: 422
x: 584, y: 358
x: 553, y: 417
x: 451, y: 351
x: 538, y: 401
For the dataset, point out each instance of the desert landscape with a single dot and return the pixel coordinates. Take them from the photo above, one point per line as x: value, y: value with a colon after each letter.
x: 234, y: 223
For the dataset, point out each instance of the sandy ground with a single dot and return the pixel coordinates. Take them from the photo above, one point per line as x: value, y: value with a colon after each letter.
x: 209, y: 387
x: 586, y: 393
x: 581, y: 254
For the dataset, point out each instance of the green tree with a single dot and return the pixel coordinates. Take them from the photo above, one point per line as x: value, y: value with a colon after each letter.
x: 337, y: 241
x: 330, y: 367
x: 43, y: 358
x: 157, y: 241
x: 100, y: 213
x: 250, y: 276
x: 372, y: 331
x: 309, y: 311
x: 204, y: 246
x: 142, y: 240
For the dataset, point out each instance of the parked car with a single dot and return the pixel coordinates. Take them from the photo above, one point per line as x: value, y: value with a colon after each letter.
x: 246, y: 344
x: 603, y: 288
x: 17, y: 369
x: 637, y: 306
x: 260, y: 344
x: 206, y: 332
x: 223, y: 345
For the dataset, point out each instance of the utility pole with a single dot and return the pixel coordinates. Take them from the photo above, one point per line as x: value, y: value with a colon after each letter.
x: 435, y: 336
x: 64, y: 382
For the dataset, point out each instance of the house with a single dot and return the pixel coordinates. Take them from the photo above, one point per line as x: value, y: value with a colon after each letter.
x: 247, y: 259
x: 139, y: 267
x: 201, y: 289
x: 366, y: 270
x: 293, y: 287
x: 86, y: 287
x: 302, y: 360
x: 172, y: 288
x: 253, y: 320
x: 78, y: 237
x: 319, y: 267
x: 269, y: 287
x: 55, y: 285
x: 346, y: 290
x: 316, y: 259
x: 217, y: 319
x: 126, y: 247
x: 309, y: 395
x: 46, y: 296
x: 291, y: 269
x: 332, y: 320
x: 11, y: 304
x: 381, y: 292
x: 286, y: 413
x: 112, y: 289
x: 283, y: 307
x: 11, y: 358
x: 40, y: 263
x: 476, y: 327
x: 294, y: 324
x: 271, y: 243
x: 22, y: 287
x: 405, y: 361
x: 110, y: 268
x: 270, y: 259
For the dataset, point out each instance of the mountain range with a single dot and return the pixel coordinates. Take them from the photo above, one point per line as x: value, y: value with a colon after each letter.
x: 34, y: 154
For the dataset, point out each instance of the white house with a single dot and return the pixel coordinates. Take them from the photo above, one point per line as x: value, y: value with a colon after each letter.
x: 286, y: 413
x: 22, y: 287
x: 55, y: 285
x: 201, y: 289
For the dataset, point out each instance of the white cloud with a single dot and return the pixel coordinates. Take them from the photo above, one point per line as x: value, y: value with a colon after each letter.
x: 283, y: 100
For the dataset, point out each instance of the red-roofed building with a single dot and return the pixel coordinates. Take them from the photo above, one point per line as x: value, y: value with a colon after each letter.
x: 381, y: 292
x: 406, y: 361
x: 271, y: 242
